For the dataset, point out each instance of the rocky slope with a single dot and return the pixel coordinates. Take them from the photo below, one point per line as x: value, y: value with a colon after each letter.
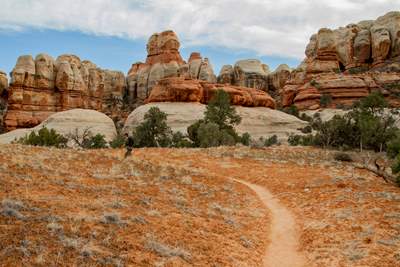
x: 42, y: 86
x: 164, y: 60
x: 257, y: 121
x: 348, y: 63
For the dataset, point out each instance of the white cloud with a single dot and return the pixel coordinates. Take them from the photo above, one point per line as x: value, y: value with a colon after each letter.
x: 268, y: 27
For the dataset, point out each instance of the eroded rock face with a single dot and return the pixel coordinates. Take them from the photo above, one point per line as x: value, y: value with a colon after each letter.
x: 190, y: 90
x: 348, y: 63
x: 43, y: 86
x: 163, y: 61
x: 3, y: 82
x: 253, y: 74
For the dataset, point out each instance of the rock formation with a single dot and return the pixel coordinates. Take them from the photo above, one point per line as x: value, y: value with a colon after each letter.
x: 42, y: 86
x: 3, y: 82
x: 179, y: 89
x: 164, y: 60
x: 67, y: 122
x: 3, y: 98
x: 257, y: 121
x: 246, y: 73
x: 348, y: 63
x: 253, y: 74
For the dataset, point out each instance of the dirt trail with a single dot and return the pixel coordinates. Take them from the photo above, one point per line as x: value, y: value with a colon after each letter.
x: 283, y: 248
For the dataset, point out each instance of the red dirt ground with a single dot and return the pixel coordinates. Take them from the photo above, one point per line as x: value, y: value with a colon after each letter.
x: 182, y: 207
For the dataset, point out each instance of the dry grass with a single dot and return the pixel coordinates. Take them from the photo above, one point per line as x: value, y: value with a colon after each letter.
x: 90, y: 208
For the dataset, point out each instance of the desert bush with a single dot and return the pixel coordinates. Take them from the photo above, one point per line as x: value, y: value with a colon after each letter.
x: 209, y: 135
x: 365, y: 126
x: 153, y: 131
x: 292, y: 110
x: 341, y: 156
x: 393, y: 147
x: 396, y: 169
x: 118, y: 141
x: 294, y: 139
x: 217, y: 127
x: 315, y: 84
x: 164, y: 250
x: 179, y: 140
x: 96, y: 142
x: 44, y: 137
x: 245, y: 139
x: 306, y: 129
x: 358, y: 70
x: 305, y: 117
x: 302, y: 140
x: 325, y: 100
x: 273, y: 140
x: 111, y: 218
x: 85, y: 139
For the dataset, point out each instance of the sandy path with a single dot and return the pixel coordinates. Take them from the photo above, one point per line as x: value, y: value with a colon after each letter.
x: 283, y: 248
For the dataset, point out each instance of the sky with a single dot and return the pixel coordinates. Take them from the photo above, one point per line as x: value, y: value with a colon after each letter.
x: 113, y: 33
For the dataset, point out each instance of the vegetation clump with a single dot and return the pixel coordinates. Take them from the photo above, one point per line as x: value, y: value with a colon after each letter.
x: 217, y: 127
x: 341, y: 156
x: 44, y: 137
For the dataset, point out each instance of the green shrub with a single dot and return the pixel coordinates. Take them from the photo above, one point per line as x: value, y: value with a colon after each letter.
x: 306, y: 129
x: 245, y: 139
x: 393, y: 147
x: 315, y: 84
x: 217, y: 127
x: 294, y: 140
x: 44, y: 137
x: 153, y: 131
x: 367, y: 125
x: 180, y: 140
x: 325, y: 100
x: 358, y: 70
x: 396, y: 169
x: 292, y: 110
x: 273, y: 140
x: 95, y: 142
x: 118, y: 141
x: 209, y: 135
x: 340, y: 156
x: 85, y: 139
x: 192, y: 132
x: 305, y: 117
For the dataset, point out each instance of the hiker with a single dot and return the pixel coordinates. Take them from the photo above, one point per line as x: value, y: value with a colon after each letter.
x: 129, y: 145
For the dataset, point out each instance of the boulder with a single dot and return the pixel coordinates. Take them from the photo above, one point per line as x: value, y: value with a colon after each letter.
x: 66, y: 122
x: 258, y: 121
x: 251, y: 73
